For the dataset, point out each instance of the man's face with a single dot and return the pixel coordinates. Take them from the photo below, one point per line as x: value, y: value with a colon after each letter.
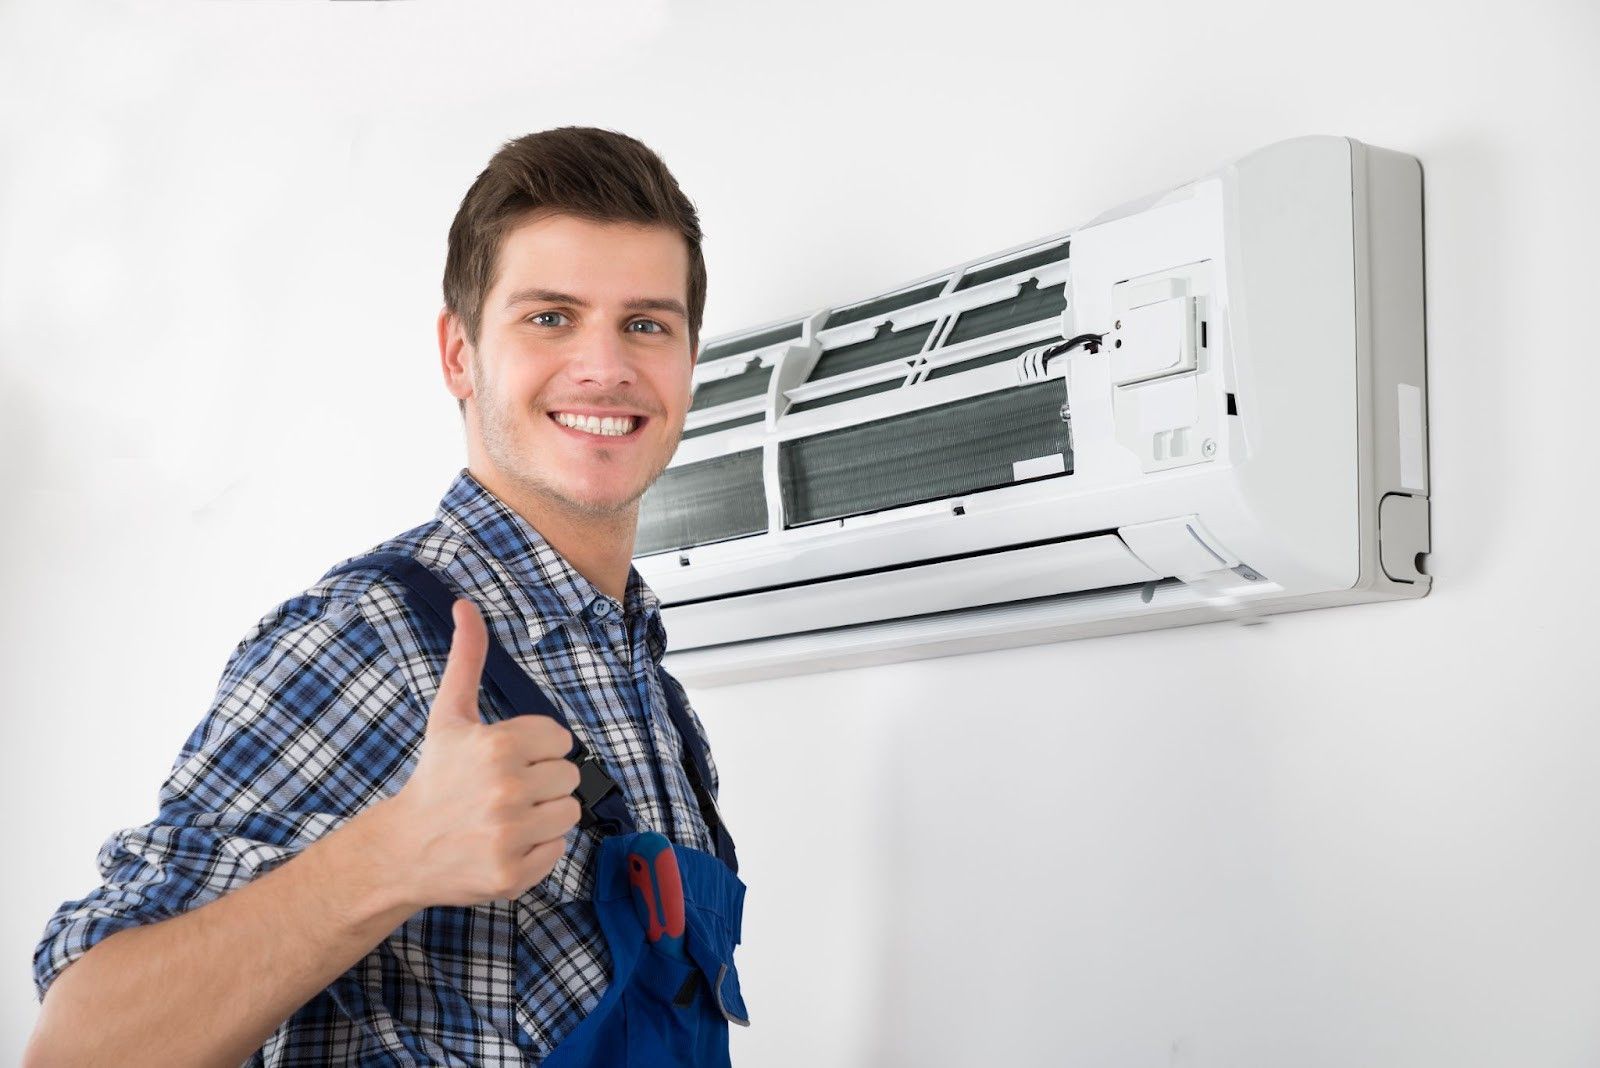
x: 581, y: 377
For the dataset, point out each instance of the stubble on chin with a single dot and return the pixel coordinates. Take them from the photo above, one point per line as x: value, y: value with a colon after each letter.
x: 511, y: 458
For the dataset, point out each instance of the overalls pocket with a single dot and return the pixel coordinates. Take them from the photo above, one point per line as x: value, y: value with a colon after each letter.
x: 662, y: 1011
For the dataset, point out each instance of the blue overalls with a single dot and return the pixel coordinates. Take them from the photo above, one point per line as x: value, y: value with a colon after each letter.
x: 670, y: 914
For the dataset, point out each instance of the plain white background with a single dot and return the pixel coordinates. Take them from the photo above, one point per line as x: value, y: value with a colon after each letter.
x: 1358, y: 836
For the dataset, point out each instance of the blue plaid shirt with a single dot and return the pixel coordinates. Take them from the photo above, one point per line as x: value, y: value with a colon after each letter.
x: 320, y: 713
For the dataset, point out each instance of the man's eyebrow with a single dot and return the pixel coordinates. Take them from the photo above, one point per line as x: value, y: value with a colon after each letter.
x: 550, y: 296
x: 537, y: 294
x: 658, y: 304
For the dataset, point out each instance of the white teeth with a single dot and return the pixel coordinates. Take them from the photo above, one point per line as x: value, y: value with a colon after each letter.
x: 609, y: 426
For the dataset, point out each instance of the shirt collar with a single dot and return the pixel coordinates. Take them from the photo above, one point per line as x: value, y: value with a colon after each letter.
x: 556, y: 588
x: 640, y: 601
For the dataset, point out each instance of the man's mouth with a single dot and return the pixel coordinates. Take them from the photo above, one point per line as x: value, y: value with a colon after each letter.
x: 604, y: 426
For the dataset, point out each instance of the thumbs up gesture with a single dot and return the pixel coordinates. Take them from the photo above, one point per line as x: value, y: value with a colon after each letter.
x: 486, y: 810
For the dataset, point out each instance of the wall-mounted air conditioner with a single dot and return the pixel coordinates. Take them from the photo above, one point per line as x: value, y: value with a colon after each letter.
x: 1201, y: 405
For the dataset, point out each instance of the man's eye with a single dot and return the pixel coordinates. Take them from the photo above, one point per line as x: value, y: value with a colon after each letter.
x: 655, y: 327
x: 538, y: 318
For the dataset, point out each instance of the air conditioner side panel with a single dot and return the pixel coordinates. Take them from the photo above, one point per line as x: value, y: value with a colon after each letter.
x: 1392, y: 349
x: 1291, y: 322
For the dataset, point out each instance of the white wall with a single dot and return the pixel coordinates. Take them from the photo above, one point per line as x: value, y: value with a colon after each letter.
x: 1360, y: 836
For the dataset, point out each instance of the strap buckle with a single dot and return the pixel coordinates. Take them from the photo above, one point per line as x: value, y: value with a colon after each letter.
x: 594, y: 784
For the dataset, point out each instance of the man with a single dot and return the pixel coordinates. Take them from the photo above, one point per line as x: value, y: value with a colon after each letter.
x: 361, y: 856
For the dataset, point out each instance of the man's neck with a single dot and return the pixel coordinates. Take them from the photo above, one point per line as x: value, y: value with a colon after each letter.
x: 599, y: 549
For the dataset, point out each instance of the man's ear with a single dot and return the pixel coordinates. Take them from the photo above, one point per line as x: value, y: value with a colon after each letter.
x: 455, y: 354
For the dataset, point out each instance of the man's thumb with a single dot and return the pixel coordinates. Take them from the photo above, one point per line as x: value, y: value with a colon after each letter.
x: 456, y: 701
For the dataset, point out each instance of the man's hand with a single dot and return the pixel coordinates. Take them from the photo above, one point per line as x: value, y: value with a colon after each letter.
x: 485, y: 812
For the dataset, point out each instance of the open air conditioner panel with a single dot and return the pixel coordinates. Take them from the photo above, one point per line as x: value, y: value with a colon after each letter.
x: 903, y: 475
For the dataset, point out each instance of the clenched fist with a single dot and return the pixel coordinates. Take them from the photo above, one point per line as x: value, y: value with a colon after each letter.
x: 485, y: 812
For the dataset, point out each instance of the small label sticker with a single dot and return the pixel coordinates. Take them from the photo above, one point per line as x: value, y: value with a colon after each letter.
x: 1413, y: 465
x: 1039, y: 466
x: 1165, y: 404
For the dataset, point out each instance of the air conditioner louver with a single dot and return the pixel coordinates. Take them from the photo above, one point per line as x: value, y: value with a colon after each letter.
x: 1033, y: 304
x: 726, y: 424
x: 883, y: 305
x: 1048, y: 254
x: 752, y: 383
x: 848, y: 395
x: 985, y: 360
x: 750, y: 342
x: 882, y: 347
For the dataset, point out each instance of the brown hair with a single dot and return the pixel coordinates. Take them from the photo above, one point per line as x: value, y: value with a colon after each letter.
x: 579, y: 170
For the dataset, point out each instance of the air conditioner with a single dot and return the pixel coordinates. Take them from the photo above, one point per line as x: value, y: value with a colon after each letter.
x: 1204, y: 404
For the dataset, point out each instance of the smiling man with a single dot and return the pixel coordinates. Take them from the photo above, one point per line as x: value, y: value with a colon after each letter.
x: 446, y: 807
x: 580, y: 374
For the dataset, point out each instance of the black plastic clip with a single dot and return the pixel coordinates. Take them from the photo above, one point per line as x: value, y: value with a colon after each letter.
x: 594, y: 785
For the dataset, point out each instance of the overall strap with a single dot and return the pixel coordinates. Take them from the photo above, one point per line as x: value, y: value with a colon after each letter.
x: 699, y: 770
x: 430, y: 600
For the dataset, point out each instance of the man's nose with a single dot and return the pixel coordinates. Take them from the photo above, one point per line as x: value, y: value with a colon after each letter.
x: 602, y: 358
